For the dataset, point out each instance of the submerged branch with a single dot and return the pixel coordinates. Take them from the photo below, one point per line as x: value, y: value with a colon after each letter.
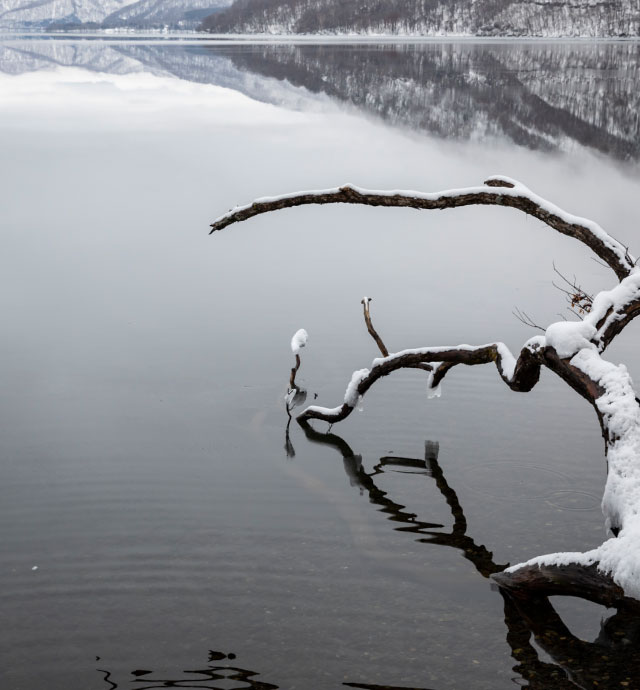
x: 573, y: 579
x: 294, y: 371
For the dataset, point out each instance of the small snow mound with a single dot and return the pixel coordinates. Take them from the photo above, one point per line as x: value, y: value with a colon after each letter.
x: 298, y: 341
x: 569, y: 337
x: 559, y: 559
x: 352, y: 395
x: 295, y: 397
x: 620, y: 558
x: 507, y: 361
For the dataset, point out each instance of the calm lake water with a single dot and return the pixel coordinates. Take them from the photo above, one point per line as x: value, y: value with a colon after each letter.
x: 158, y: 529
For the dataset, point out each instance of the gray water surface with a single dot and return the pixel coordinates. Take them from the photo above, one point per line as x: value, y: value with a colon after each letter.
x: 157, y: 528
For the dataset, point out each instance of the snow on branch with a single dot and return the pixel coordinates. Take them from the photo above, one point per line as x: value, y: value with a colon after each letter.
x: 496, y: 191
x: 572, y: 350
x: 299, y: 341
x: 520, y: 375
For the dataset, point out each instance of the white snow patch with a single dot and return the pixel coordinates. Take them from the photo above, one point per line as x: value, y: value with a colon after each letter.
x: 332, y: 411
x: 379, y: 361
x: 558, y: 559
x: 351, y: 395
x: 608, y: 305
x: 298, y: 341
x: 536, y: 342
x: 569, y: 337
x: 618, y: 557
x: 507, y: 360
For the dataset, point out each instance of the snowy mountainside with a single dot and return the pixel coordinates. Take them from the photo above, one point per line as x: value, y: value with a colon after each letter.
x: 32, y: 13
x: 547, y: 18
x: 40, y: 14
x: 154, y: 13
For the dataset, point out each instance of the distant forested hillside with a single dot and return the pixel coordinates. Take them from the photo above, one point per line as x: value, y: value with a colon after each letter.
x: 553, y: 18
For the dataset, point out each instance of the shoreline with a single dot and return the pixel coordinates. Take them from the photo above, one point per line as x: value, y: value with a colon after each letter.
x: 199, y: 37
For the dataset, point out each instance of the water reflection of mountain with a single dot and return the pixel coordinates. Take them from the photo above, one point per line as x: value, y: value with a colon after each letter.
x: 541, y: 96
x: 537, y: 95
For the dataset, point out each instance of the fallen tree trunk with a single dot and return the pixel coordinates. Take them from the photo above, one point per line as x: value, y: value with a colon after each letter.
x: 572, y: 350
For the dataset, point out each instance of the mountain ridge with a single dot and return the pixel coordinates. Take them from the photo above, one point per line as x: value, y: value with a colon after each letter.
x: 103, y: 14
x: 535, y: 18
x: 515, y: 18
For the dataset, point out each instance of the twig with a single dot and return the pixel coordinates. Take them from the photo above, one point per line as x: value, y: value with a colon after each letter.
x: 372, y: 331
x: 576, y: 297
x: 374, y: 334
x: 526, y: 319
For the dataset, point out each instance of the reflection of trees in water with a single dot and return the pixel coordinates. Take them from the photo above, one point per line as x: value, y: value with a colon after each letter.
x: 541, y: 96
x: 537, y: 96
x: 610, y: 661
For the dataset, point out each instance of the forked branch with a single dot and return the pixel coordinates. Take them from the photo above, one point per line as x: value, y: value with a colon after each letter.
x: 570, y: 349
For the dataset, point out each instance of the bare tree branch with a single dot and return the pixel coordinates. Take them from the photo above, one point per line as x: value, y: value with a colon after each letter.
x: 294, y: 371
x: 524, y: 318
x: 580, y: 302
x: 374, y: 334
x: 372, y: 331
x: 295, y: 394
x: 496, y: 191
x: 570, y: 349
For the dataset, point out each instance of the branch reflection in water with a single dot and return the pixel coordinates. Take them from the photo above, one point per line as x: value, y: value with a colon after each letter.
x: 214, y: 677
x: 610, y: 661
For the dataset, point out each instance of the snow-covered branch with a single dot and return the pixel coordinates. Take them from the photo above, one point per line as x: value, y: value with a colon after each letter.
x: 572, y: 350
x: 610, y: 572
x: 520, y: 375
x: 496, y: 191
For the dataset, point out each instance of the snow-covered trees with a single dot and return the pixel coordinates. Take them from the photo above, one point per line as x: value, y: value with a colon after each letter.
x: 593, y: 18
x: 609, y: 574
